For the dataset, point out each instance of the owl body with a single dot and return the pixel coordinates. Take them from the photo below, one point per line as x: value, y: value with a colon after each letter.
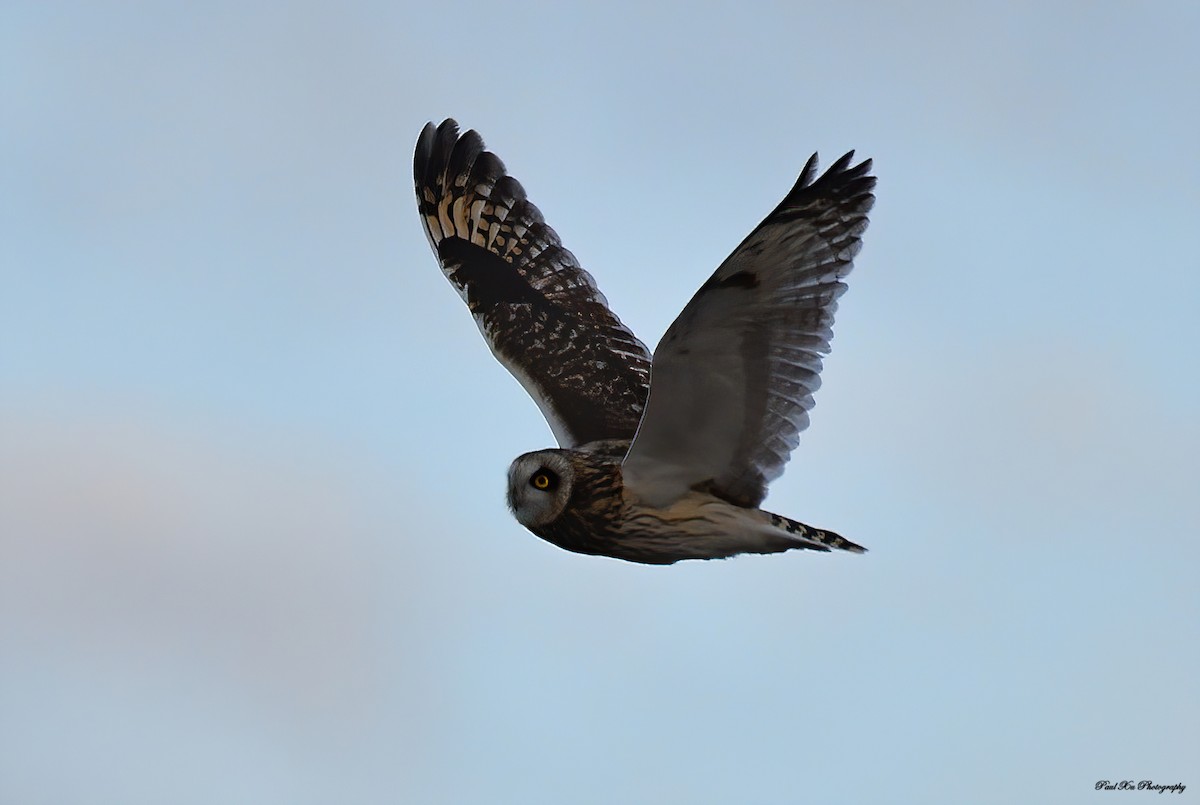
x: 579, y: 501
x: 667, y: 456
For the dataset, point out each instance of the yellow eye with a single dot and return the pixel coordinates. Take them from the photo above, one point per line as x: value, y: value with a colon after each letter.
x: 540, y: 481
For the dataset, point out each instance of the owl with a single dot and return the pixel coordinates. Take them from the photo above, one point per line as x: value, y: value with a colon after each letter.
x: 667, y: 456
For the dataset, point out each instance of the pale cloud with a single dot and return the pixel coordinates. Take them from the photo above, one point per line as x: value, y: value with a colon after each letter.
x: 231, y: 553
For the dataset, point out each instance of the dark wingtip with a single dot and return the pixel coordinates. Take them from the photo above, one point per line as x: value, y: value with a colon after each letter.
x: 839, y: 172
x: 807, y: 174
x: 423, y: 151
x: 845, y: 174
x: 433, y: 151
x: 840, y: 179
x: 462, y: 156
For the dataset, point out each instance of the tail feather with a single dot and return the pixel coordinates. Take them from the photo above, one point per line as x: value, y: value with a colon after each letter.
x: 815, y: 538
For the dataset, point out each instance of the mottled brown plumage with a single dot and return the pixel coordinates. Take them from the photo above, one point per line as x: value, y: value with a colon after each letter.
x: 539, y: 311
x: 589, y: 509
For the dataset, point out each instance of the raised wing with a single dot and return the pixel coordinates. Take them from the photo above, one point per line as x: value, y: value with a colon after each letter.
x: 734, y: 376
x: 541, y: 314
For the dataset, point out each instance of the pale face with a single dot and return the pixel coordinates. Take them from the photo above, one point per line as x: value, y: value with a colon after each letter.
x: 539, y: 486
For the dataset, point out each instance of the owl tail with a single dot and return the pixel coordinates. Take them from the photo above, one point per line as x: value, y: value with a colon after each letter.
x: 813, y: 538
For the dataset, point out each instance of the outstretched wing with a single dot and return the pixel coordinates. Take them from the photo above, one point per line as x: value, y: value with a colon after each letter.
x: 734, y: 376
x: 540, y: 313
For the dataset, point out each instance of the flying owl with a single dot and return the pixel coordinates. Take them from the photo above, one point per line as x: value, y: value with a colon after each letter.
x: 662, y: 457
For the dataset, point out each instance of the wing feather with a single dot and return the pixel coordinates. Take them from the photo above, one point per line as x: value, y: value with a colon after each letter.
x: 733, y: 378
x: 541, y: 314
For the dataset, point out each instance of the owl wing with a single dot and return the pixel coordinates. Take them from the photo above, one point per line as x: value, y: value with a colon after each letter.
x: 734, y: 376
x: 539, y: 311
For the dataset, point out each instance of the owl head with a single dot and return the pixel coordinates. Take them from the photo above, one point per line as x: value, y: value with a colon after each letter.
x: 539, y: 486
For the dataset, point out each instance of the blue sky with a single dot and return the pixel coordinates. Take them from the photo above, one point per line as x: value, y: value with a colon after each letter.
x: 253, y: 544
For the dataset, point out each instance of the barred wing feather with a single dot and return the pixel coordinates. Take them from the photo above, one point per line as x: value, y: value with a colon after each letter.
x: 541, y: 314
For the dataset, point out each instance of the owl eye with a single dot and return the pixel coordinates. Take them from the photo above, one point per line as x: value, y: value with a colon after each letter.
x: 542, y: 480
